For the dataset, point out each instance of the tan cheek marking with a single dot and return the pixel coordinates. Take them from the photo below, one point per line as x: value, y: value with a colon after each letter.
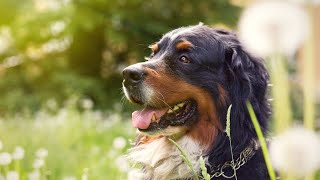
x: 173, y: 90
x: 183, y: 45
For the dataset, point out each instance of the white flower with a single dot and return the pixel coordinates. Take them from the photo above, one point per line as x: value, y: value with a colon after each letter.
x: 5, y: 158
x: 12, y: 175
x: 18, y: 153
x: 296, y: 151
x: 135, y: 174
x: 42, y: 153
x: 272, y: 26
x: 57, y: 27
x: 38, y: 163
x: 35, y: 175
x: 87, y: 103
x: 122, y: 163
x: 69, y: 178
x: 119, y: 143
x: 85, y: 174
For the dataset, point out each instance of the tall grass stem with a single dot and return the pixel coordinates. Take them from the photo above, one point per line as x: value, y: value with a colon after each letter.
x: 262, y: 141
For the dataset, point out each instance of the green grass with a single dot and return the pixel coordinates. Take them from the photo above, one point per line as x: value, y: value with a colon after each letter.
x: 76, y: 142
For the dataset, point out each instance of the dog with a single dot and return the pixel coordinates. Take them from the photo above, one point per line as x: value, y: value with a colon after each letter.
x: 185, y: 88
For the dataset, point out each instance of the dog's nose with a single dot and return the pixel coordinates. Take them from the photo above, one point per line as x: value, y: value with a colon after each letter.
x: 132, y: 75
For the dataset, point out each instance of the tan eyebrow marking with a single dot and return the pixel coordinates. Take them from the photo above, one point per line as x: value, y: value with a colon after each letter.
x: 154, y: 47
x: 183, y: 45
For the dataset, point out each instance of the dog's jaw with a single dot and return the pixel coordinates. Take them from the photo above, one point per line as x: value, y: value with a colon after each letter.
x: 161, y: 159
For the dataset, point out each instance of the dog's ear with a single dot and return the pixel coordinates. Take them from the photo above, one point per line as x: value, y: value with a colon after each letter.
x: 245, y: 70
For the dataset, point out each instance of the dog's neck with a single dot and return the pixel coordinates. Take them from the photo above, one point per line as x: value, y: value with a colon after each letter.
x: 161, y: 159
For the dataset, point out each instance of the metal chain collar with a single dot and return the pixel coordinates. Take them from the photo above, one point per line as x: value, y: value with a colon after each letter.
x: 244, y: 157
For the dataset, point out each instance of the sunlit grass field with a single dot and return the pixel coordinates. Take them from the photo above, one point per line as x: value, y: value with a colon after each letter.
x: 81, y: 144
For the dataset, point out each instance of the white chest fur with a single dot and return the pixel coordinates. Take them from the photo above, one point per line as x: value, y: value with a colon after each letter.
x: 162, y: 159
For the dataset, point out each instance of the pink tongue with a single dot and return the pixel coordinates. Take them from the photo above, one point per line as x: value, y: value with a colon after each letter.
x: 142, y: 119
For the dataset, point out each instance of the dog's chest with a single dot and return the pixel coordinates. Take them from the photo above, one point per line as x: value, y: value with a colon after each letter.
x: 161, y: 159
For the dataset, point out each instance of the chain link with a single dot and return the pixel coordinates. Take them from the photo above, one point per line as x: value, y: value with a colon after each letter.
x: 245, y: 155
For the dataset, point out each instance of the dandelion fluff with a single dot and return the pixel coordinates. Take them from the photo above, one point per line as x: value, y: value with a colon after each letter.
x: 5, y: 158
x: 38, y: 163
x: 119, y: 143
x: 18, y: 153
x: 12, y: 175
x: 42, y: 153
x: 122, y: 163
x: 35, y: 175
x: 267, y: 27
x: 296, y: 151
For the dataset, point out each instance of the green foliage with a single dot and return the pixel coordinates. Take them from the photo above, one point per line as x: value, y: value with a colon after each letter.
x: 77, y: 142
x: 61, y: 47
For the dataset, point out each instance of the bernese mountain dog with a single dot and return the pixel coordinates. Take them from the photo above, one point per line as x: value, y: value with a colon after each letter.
x: 185, y: 88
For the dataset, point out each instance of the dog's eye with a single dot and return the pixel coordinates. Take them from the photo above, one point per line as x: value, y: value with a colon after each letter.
x: 184, y: 59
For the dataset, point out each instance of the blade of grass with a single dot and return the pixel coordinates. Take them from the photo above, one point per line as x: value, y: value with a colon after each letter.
x: 204, y: 171
x: 228, y: 131
x: 262, y: 141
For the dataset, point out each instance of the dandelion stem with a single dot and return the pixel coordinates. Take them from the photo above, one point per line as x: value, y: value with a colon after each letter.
x: 309, y: 78
x: 262, y: 141
x: 280, y: 92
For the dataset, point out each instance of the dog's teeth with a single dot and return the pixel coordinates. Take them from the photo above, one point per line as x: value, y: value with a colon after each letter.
x: 153, y: 117
x: 170, y: 111
x: 175, y: 107
x: 181, y: 105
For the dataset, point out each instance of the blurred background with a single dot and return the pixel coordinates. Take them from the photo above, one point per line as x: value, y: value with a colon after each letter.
x: 60, y: 78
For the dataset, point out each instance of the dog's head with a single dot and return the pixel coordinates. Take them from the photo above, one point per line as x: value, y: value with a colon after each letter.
x: 186, y: 85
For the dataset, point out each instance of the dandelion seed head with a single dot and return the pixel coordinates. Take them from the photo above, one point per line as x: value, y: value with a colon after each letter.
x: 5, y: 158
x: 18, y: 153
x: 296, y: 151
x: 122, y: 164
x: 12, y: 175
x: 69, y: 178
x: 119, y: 143
x: 269, y: 27
x: 57, y: 27
x: 87, y: 103
x: 38, y: 163
x: 42, y: 153
x: 35, y: 175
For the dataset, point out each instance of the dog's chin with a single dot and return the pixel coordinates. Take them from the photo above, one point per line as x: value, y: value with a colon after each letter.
x: 175, y: 120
